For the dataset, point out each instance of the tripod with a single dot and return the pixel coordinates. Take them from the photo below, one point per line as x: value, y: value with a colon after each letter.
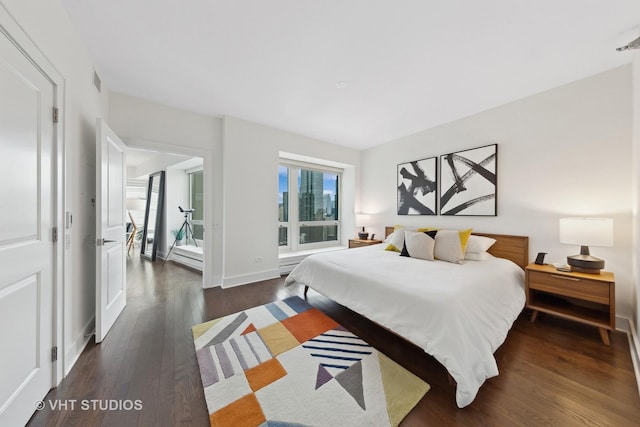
x: 186, y: 228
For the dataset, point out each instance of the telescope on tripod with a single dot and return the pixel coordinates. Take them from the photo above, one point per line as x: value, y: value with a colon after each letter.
x: 185, y: 228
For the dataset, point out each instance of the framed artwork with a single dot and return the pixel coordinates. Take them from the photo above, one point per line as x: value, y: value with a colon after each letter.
x: 417, y: 187
x: 468, y: 182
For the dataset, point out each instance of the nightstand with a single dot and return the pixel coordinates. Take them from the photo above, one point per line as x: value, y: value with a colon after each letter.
x: 584, y: 298
x: 358, y: 243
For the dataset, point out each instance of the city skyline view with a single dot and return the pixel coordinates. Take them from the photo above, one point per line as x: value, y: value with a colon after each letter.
x: 329, y: 183
x: 316, y: 200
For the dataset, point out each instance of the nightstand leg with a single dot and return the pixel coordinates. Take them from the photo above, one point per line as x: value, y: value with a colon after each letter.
x: 534, y: 316
x: 604, y: 334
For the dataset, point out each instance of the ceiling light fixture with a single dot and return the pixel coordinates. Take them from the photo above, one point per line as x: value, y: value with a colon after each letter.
x: 632, y: 45
x: 342, y: 84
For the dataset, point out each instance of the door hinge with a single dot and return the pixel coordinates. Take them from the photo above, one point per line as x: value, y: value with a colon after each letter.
x: 54, y: 234
x: 54, y: 354
x: 55, y: 115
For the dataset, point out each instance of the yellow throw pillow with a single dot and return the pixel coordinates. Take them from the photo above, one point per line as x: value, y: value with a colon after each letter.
x: 464, y: 238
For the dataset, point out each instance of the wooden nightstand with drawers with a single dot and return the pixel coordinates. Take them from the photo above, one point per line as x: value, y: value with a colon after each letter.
x: 358, y: 243
x: 584, y: 298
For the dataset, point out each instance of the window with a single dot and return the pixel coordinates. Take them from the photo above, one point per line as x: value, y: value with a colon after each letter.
x: 283, y: 206
x: 196, y: 201
x: 309, y: 206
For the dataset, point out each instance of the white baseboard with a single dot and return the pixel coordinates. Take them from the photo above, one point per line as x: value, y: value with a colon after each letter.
x: 625, y: 324
x: 634, y: 345
x: 77, y: 346
x: 244, y: 279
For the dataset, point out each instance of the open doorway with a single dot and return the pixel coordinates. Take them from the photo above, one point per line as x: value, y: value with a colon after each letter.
x: 178, y: 232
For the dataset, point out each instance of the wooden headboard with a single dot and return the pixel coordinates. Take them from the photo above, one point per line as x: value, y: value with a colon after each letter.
x: 513, y: 248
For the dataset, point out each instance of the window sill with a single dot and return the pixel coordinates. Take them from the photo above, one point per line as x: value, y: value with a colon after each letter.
x: 285, y: 255
x: 288, y: 260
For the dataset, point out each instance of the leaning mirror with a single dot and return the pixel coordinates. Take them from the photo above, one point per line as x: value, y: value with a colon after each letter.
x: 151, y: 234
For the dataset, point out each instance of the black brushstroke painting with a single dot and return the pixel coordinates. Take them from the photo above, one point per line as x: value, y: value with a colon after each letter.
x: 468, y: 182
x: 417, y: 187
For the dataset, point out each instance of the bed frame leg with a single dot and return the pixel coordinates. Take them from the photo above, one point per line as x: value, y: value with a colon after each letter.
x: 306, y: 289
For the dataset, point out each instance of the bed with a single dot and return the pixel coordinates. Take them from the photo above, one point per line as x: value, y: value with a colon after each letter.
x: 458, y: 313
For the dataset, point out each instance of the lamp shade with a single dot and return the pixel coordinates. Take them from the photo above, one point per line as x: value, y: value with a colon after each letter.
x: 362, y: 219
x: 586, y: 231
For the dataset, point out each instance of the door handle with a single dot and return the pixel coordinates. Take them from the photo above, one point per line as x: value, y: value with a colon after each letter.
x: 102, y: 242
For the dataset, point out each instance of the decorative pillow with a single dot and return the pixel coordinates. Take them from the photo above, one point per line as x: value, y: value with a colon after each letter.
x: 477, y: 256
x: 419, y: 244
x: 479, y: 244
x: 395, y: 240
x: 451, y: 244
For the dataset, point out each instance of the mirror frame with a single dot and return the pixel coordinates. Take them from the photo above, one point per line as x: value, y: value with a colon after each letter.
x: 158, y: 223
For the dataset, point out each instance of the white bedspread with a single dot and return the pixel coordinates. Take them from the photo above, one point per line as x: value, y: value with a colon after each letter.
x: 459, y: 314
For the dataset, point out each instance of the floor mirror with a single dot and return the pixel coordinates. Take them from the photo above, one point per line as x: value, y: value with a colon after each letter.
x: 151, y: 234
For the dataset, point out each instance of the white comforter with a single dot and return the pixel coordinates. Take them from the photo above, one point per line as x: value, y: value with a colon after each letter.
x: 459, y: 314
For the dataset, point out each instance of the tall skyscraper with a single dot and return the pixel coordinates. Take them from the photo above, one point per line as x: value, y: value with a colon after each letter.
x: 311, y: 196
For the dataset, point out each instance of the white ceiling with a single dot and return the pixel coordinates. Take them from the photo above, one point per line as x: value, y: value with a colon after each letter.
x: 409, y: 64
x: 140, y: 163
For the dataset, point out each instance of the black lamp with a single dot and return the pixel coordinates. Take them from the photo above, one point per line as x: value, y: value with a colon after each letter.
x: 362, y: 220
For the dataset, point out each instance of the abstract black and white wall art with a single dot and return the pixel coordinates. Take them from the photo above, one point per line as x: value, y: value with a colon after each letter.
x: 468, y: 182
x: 417, y: 187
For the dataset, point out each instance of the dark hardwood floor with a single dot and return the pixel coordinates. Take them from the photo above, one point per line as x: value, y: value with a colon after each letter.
x: 552, y: 372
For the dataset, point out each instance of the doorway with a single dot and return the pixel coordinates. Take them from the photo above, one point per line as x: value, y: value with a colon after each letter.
x: 183, y: 202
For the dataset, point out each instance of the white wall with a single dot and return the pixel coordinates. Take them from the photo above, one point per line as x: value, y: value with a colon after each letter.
x: 144, y: 124
x: 47, y: 24
x: 564, y: 152
x: 176, y: 194
x: 251, y: 153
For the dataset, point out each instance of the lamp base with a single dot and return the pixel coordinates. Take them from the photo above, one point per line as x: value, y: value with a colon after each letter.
x: 363, y: 235
x: 585, y: 264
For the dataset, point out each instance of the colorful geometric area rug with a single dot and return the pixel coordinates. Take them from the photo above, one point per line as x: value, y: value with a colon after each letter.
x: 287, y: 364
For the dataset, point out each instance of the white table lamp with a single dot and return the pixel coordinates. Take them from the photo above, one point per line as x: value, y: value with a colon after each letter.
x: 586, y: 232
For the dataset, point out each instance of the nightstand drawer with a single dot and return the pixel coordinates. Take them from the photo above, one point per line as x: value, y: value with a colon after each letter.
x: 570, y: 286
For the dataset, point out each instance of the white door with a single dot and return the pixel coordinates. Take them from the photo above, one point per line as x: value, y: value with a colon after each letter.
x: 111, y: 282
x: 26, y: 243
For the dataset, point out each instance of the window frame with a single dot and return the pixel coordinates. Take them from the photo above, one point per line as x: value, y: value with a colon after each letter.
x: 191, y: 173
x: 293, y: 224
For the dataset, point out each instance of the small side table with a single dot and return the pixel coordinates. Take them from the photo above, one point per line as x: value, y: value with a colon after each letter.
x: 358, y: 243
x: 584, y: 298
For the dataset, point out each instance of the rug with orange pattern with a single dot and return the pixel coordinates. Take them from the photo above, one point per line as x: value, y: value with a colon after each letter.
x: 287, y: 364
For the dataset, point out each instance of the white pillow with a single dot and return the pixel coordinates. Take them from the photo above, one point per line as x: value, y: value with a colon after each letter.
x: 479, y: 244
x: 395, y: 240
x: 477, y: 256
x: 418, y: 245
x: 449, y: 245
